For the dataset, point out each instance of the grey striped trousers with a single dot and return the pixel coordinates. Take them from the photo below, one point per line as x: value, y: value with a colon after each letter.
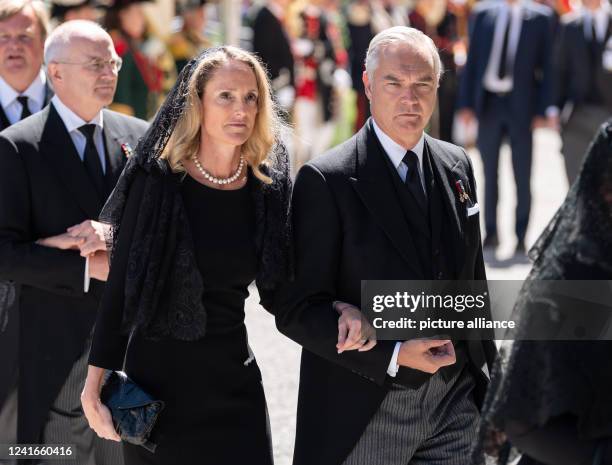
x: 434, y: 425
x: 66, y: 424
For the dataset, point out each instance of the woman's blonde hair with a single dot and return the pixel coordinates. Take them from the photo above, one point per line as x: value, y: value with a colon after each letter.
x: 185, y: 139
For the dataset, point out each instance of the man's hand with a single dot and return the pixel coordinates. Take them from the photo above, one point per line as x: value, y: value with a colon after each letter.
x: 539, y: 122
x: 354, y: 331
x: 62, y: 241
x: 98, y: 266
x: 554, y: 123
x: 92, y: 233
x: 428, y: 355
x: 467, y: 116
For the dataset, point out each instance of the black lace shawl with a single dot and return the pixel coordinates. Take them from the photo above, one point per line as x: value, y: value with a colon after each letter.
x: 534, y: 381
x: 163, y: 288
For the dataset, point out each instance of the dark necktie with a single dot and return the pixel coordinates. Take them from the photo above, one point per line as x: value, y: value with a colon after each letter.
x: 413, y: 179
x: 25, y: 111
x: 594, y: 44
x: 502, y: 71
x: 91, y: 159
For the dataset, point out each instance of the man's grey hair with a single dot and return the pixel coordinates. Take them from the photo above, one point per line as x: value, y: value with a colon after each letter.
x: 58, y: 42
x: 401, y: 34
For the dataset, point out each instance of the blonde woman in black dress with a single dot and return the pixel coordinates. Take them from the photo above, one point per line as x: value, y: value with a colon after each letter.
x: 199, y: 213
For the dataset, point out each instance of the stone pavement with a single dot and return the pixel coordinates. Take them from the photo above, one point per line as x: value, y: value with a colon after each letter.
x: 278, y: 357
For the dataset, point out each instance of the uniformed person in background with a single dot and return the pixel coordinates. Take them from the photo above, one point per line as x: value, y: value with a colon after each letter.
x: 148, y: 70
x: 189, y: 40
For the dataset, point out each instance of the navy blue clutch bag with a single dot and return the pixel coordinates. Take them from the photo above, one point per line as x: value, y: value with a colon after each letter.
x: 134, y: 411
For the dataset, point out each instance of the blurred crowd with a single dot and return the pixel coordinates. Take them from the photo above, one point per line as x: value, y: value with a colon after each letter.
x: 510, y: 65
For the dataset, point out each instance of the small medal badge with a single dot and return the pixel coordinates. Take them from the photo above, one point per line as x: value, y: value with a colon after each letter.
x: 127, y: 150
x: 463, y: 196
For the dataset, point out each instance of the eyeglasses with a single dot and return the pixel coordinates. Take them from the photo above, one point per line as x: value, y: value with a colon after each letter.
x: 97, y: 65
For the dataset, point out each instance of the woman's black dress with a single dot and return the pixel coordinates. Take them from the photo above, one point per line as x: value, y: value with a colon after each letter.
x: 215, y: 409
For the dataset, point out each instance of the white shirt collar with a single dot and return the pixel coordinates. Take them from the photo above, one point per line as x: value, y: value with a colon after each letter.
x: 36, y: 91
x: 395, y: 151
x: 71, y: 120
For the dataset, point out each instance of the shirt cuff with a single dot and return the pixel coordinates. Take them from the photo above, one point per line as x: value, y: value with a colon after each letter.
x: 393, y: 366
x: 86, y: 280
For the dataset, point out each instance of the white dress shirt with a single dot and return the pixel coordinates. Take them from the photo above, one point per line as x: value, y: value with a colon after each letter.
x: 601, y: 16
x: 513, y: 13
x: 73, y: 122
x: 35, y: 93
x: 396, y: 154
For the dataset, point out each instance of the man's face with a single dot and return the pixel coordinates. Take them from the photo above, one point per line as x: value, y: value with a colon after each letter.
x: 403, y: 91
x: 591, y: 4
x: 87, y: 82
x: 21, y: 47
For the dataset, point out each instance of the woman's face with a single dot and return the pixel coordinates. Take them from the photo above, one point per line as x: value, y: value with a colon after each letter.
x: 132, y: 20
x: 229, y: 104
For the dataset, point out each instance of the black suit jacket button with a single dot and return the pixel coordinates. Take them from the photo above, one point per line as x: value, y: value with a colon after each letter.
x: 436, y: 252
x: 440, y: 275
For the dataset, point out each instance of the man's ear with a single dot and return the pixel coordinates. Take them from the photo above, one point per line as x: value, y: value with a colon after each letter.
x: 366, y: 85
x: 53, y: 72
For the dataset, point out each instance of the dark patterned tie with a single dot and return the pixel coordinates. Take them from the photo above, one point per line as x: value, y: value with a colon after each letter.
x: 92, y: 162
x: 25, y: 111
x: 413, y: 179
x: 502, y: 71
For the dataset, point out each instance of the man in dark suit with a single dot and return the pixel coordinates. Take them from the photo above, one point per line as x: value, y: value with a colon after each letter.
x: 582, y: 79
x: 383, y: 206
x: 57, y: 168
x: 23, y: 91
x: 271, y: 43
x: 506, y: 87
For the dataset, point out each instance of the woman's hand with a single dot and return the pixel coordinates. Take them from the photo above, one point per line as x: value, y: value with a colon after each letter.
x: 97, y: 414
x: 354, y: 331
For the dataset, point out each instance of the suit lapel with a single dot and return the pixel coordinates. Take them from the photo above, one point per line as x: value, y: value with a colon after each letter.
x: 490, y: 21
x: 375, y: 188
x: 446, y: 176
x: 113, y: 138
x: 59, y: 150
x: 435, y: 215
x: 48, y: 95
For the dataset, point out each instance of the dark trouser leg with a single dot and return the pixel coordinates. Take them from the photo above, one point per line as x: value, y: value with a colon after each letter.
x: 521, y: 142
x: 490, y: 133
x: 66, y: 424
x: 447, y: 96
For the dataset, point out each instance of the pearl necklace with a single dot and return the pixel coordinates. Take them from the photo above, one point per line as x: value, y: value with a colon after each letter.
x: 214, y: 179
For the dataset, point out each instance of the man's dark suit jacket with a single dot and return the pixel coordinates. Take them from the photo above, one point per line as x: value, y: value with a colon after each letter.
x: 44, y: 189
x: 271, y: 44
x: 532, y: 63
x: 9, y: 334
x: 574, y: 73
x: 349, y: 226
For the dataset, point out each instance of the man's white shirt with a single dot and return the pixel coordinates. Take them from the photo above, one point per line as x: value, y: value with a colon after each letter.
x: 35, y: 92
x: 73, y: 122
x: 396, y: 154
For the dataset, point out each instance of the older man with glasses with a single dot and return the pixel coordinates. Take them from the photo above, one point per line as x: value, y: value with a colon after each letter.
x: 56, y: 170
